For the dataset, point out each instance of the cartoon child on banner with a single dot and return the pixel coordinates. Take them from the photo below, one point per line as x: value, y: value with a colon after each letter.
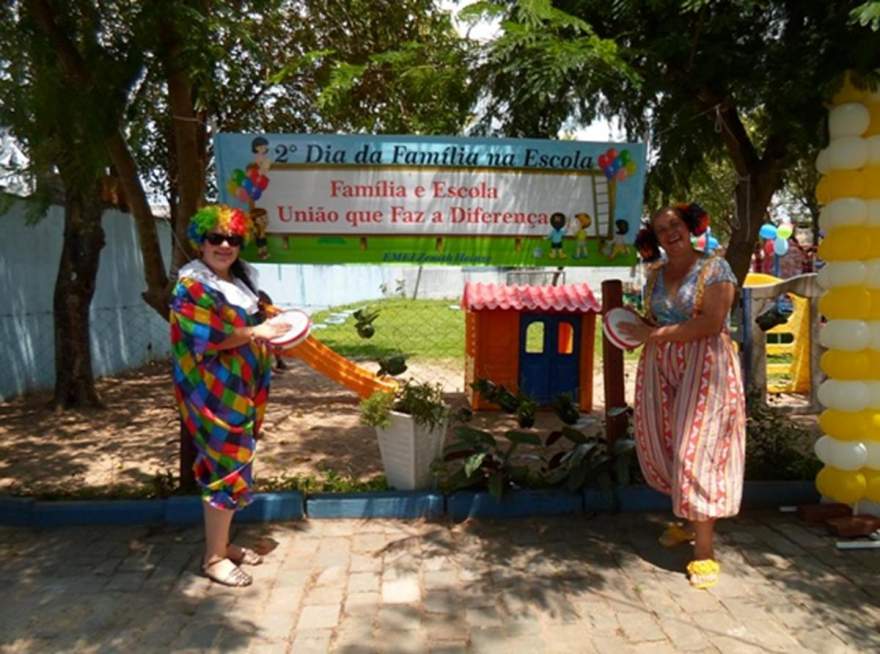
x: 617, y: 244
x: 248, y: 185
x: 557, y: 234
x: 580, y: 236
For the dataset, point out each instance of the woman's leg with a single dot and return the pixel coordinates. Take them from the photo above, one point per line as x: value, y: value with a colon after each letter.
x: 704, y: 540
x: 217, y: 524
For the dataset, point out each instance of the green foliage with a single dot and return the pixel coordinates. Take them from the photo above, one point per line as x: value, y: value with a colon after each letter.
x: 777, y: 448
x: 520, y: 404
x: 423, y: 401
x: 518, y: 459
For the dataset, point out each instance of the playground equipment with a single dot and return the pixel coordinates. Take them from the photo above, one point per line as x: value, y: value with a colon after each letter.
x: 804, y: 327
x: 533, y: 339
x: 344, y: 371
x: 791, y: 338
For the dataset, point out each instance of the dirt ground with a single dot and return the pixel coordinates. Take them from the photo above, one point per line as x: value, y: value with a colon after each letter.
x: 311, y: 426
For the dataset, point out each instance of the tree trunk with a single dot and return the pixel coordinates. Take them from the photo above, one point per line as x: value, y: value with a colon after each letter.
x: 753, y: 194
x: 74, y: 288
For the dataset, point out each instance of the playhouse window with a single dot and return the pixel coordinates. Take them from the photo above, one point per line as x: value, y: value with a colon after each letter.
x: 565, y: 338
x: 535, y: 338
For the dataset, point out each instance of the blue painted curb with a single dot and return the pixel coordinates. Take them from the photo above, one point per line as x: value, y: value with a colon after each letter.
x: 100, y: 512
x: 641, y: 498
x: 767, y: 494
x: 16, y: 511
x: 598, y: 501
x: 389, y: 504
x: 183, y: 510
x: 271, y: 507
x: 514, y: 504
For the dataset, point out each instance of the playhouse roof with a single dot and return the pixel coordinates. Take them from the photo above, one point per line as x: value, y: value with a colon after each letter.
x: 568, y: 297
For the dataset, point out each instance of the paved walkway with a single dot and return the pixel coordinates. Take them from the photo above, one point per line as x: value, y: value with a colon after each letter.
x: 580, y: 585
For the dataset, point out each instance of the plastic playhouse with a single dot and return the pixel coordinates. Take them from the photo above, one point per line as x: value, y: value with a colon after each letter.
x: 791, y: 338
x: 537, y: 340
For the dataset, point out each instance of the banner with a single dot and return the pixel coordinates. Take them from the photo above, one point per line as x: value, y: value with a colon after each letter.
x: 441, y: 200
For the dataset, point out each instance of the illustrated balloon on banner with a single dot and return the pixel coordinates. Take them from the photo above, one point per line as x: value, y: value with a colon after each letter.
x: 767, y: 232
x: 847, y: 189
x: 780, y: 246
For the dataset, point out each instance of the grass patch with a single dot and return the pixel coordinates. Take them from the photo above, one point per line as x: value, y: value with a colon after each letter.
x: 427, y: 330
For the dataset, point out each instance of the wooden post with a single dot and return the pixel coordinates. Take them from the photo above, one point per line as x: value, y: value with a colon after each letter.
x: 612, y: 365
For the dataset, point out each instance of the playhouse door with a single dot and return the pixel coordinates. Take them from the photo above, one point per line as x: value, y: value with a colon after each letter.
x: 549, y: 349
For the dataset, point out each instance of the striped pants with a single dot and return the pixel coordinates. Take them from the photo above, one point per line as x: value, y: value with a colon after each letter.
x: 690, y: 425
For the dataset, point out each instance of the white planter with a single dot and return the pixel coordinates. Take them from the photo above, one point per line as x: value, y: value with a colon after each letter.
x: 408, y: 450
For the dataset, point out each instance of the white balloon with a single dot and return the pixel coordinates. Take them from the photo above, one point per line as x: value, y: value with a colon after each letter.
x: 872, y: 273
x: 843, y: 395
x: 873, y: 151
x: 873, y: 388
x: 847, y: 153
x: 849, y: 119
x: 874, y: 329
x: 847, y: 335
x: 842, y: 273
x: 822, y: 448
x: 823, y: 163
x: 872, y: 460
x: 847, y: 455
x: 872, y: 212
x: 843, y: 211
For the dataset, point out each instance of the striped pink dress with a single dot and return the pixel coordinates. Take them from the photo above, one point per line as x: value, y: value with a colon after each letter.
x: 689, y: 405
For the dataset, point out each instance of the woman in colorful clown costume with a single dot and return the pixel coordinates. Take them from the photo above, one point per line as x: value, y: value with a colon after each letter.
x: 689, y: 402
x: 221, y: 368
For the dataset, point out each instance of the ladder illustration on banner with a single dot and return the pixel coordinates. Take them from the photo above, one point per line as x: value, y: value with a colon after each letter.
x: 603, y: 223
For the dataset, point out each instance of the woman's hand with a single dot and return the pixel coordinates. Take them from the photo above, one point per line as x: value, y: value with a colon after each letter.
x: 266, y: 331
x: 639, y: 331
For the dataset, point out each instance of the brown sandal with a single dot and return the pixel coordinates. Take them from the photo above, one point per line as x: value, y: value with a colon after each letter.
x: 235, y: 577
x: 245, y: 556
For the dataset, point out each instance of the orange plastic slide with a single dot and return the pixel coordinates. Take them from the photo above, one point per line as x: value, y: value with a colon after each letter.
x: 324, y: 360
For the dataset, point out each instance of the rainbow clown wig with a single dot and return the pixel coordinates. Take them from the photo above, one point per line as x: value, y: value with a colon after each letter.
x: 218, y: 218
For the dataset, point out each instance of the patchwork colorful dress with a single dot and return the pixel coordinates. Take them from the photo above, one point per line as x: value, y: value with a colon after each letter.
x: 221, y: 394
x: 690, y: 408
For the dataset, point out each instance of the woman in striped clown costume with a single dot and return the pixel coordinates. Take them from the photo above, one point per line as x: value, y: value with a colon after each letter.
x: 221, y: 368
x: 689, y: 404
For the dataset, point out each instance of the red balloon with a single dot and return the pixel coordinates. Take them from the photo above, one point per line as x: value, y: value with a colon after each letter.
x: 612, y: 154
x: 603, y: 161
x: 253, y: 171
x: 262, y: 182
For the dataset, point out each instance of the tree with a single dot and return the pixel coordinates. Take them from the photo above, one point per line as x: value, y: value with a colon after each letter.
x: 698, y: 79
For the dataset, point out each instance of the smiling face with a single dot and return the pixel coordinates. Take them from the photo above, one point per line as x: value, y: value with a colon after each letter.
x: 220, y: 254
x: 672, y: 233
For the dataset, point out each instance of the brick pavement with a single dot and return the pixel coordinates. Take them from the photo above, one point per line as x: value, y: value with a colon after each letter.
x: 578, y: 584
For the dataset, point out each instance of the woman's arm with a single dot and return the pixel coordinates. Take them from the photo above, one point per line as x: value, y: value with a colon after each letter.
x: 717, y: 300
x: 263, y: 331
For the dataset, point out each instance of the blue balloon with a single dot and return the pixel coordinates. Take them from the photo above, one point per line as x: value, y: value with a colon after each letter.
x: 780, y: 246
x: 768, y: 232
x: 256, y: 193
x: 248, y: 185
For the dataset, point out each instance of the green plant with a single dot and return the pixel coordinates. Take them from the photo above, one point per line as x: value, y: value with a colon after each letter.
x: 777, y: 448
x: 477, y: 459
x: 423, y: 401
x: 590, y: 460
x: 520, y: 404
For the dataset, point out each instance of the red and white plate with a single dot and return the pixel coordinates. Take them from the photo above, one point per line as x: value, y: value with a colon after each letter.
x: 300, y: 324
x: 611, y: 323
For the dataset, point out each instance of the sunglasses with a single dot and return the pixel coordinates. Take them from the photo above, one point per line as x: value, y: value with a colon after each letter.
x: 217, y: 239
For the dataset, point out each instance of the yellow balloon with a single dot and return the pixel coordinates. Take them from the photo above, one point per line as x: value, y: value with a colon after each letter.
x: 845, y: 243
x: 846, y: 303
x: 841, y: 485
x: 848, y: 93
x: 871, y: 177
x: 873, y: 238
x: 872, y: 484
x: 874, y: 304
x: 839, y: 364
x: 845, y: 425
x: 840, y: 184
x: 874, y: 127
